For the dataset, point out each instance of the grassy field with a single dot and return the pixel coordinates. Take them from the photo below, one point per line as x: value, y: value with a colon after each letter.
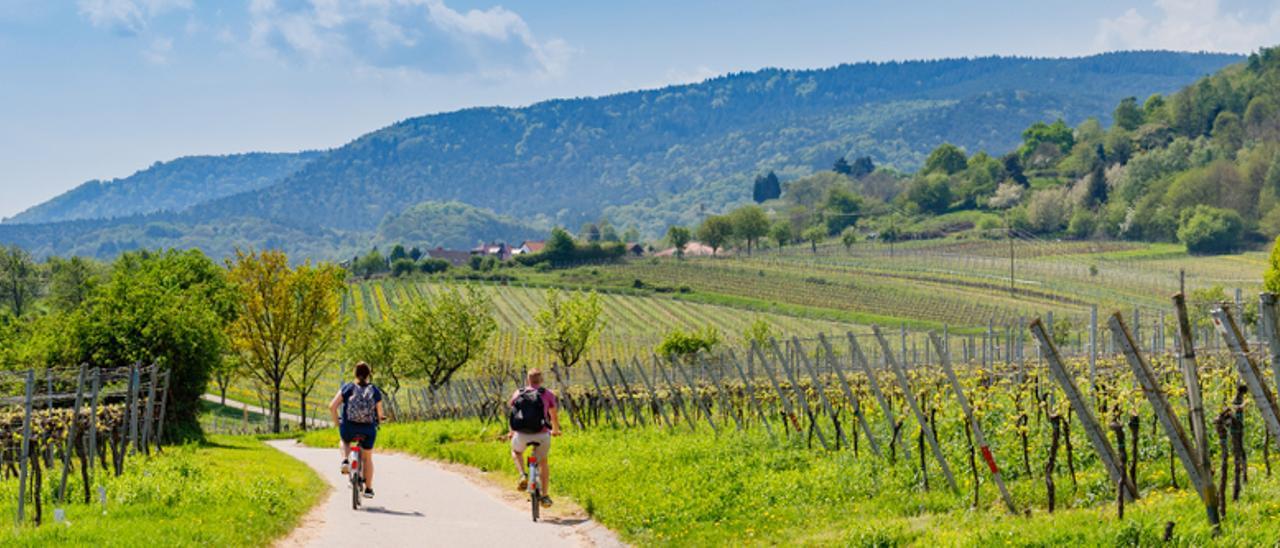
x: 229, y: 491
x: 680, y: 488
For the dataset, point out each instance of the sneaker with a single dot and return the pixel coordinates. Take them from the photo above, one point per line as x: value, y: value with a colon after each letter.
x: 346, y: 467
x: 368, y: 493
x: 545, y: 501
x: 524, y: 483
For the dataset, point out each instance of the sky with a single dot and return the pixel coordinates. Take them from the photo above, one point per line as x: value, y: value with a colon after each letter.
x: 98, y: 89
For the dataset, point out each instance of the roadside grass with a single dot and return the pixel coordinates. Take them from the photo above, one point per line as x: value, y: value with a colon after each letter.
x: 681, y: 488
x: 228, y: 491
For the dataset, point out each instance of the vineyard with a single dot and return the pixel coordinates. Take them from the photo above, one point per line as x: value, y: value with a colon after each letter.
x: 1036, y: 431
x: 68, y: 426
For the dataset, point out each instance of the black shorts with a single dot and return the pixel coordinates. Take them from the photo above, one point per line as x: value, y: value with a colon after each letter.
x: 349, y: 431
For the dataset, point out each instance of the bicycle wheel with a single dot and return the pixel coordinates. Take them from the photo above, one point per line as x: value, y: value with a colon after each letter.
x: 535, y: 502
x: 355, y: 491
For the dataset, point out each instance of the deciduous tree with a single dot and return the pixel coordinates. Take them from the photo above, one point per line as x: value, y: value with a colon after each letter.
x: 19, y: 279
x: 568, y: 326
x: 442, y: 335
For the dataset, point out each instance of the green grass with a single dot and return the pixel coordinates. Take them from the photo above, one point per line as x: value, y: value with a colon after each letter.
x: 680, y: 488
x: 229, y: 491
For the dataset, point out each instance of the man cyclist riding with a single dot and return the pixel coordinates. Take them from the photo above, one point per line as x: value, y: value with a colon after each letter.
x: 361, y: 404
x: 534, y: 418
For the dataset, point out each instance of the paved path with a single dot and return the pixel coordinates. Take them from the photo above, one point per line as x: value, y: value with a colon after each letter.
x: 423, y: 503
x: 288, y: 417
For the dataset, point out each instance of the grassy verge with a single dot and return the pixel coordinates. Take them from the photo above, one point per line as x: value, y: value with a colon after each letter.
x: 229, y: 491
x: 679, y: 488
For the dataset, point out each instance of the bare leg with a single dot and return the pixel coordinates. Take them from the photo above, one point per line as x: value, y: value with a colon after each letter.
x: 345, y: 449
x: 515, y: 457
x: 544, y: 471
x: 366, y: 462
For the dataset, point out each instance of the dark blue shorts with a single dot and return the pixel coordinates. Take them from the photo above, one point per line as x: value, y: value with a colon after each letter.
x: 349, y: 430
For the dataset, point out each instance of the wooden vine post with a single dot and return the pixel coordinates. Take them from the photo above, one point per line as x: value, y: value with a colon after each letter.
x: 777, y: 387
x: 1263, y: 397
x: 71, y: 435
x: 915, y: 409
x: 821, y: 390
x: 1106, y: 453
x: 26, y: 447
x: 653, y: 394
x: 1191, y: 459
x: 856, y: 351
x: 751, y: 395
x: 944, y: 358
x: 850, y: 396
x: 795, y: 387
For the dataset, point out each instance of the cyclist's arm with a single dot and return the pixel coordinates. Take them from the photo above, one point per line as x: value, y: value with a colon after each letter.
x: 382, y: 417
x: 333, y: 407
x: 555, y: 420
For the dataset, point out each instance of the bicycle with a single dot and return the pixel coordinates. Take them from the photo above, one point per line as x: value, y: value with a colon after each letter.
x: 535, y: 480
x: 356, y: 473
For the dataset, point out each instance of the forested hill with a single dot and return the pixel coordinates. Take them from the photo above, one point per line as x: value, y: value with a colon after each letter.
x: 167, y: 186
x: 680, y: 149
x: 655, y: 157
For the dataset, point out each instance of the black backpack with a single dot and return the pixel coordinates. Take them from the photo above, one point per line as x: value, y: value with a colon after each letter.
x: 527, y: 412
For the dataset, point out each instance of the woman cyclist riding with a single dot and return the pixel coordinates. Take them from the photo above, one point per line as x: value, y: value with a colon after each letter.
x: 361, y: 404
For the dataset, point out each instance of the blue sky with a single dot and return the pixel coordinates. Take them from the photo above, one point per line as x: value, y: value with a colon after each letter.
x: 101, y: 88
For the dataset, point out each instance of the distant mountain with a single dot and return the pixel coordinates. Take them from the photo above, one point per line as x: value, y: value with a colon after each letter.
x: 168, y: 186
x: 671, y: 155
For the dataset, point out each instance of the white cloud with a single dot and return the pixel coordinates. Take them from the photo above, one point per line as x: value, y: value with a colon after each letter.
x: 159, y: 50
x: 422, y: 35
x: 1189, y: 25
x: 128, y: 17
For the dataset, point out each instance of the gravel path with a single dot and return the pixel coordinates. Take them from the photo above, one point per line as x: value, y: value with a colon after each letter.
x: 424, y: 503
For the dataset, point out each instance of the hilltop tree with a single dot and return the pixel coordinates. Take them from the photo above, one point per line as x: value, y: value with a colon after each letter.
x: 840, y: 209
x: 1128, y: 115
x: 631, y: 234
x: 679, y: 237
x: 568, y: 326
x: 415, y: 254
x: 750, y: 223
x: 1013, y: 168
x: 766, y: 187
x: 862, y: 166
x: 590, y: 232
x: 946, y: 159
x: 842, y: 167
x: 19, y: 279
x: 442, y: 335
x: 1058, y: 134
x: 715, y: 231
x: 397, y: 253
x: 931, y: 193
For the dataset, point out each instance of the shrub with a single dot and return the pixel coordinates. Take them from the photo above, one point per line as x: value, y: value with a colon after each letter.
x: 680, y: 344
x: 400, y: 267
x: 432, y: 266
x: 1205, y: 229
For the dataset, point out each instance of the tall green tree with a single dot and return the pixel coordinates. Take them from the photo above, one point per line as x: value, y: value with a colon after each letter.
x: 443, y: 335
x: 71, y: 282
x: 715, y: 231
x: 842, y: 167
x: 780, y: 232
x: 679, y: 237
x: 814, y: 235
x: 568, y: 326
x: 840, y: 209
x: 317, y: 293
x: 379, y: 346
x: 19, y: 279
x: 946, y: 159
x: 862, y: 166
x: 766, y: 187
x: 1128, y: 115
x: 750, y: 223
x: 170, y: 309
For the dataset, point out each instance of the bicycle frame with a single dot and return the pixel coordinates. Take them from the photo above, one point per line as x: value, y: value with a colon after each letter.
x: 535, y: 480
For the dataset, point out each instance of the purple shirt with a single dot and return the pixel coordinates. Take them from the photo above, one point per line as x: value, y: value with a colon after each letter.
x: 548, y: 402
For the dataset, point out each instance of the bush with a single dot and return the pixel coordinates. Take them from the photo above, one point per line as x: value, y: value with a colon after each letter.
x: 402, y: 266
x: 432, y: 266
x: 680, y: 344
x: 1205, y: 229
x: 1082, y: 225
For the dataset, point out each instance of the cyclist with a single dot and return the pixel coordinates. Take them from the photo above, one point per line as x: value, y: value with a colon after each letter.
x: 361, y: 404
x: 534, y: 418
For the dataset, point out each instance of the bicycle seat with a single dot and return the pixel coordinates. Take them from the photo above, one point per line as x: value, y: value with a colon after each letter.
x: 357, y: 437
